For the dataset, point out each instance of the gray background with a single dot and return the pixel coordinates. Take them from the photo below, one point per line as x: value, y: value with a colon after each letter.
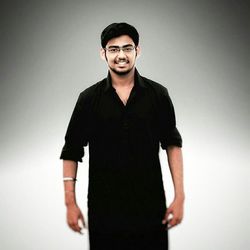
x: 49, y: 52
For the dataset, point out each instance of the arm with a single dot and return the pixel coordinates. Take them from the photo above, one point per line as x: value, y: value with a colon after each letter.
x: 73, y: 212
x: 175, y: 209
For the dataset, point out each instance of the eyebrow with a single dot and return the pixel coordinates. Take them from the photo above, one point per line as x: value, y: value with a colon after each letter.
x: 124, y: 46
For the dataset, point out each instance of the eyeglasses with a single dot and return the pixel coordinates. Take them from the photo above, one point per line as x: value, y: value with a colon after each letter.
x: 117, y: 49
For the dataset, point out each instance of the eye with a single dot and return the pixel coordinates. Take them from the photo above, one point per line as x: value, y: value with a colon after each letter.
x: 113, y: 50
x: 128, y: 49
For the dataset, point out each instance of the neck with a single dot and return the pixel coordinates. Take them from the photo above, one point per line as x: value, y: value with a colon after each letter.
x: 122, y: 80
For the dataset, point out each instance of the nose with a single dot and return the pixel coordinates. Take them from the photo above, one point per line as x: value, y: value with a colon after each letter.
x: 121, y: 54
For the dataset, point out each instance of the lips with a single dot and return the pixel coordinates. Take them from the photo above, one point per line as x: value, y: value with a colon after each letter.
x: 123, y: 62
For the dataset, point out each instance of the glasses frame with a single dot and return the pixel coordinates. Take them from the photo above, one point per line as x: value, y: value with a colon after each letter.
x: 119, y: 48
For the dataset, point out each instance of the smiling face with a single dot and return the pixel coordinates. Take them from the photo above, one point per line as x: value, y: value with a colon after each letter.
x: 120, y: 61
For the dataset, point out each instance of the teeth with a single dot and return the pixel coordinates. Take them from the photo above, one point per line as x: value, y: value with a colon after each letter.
x: 122, y: 63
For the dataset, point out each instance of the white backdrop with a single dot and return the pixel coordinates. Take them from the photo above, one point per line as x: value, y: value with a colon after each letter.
x: 49, y: 53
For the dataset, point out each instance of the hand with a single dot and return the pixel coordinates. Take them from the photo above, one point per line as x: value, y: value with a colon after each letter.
x: 74, y: 215
x: 174, y: 214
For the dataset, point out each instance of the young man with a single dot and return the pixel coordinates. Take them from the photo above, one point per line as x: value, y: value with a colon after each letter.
x: 124, y: 118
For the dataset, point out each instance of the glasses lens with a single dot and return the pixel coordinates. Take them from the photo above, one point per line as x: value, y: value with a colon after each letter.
x: 115, y: 50
x: 128, y: 49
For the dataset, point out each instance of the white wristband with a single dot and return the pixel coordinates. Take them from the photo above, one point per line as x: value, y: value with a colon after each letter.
x: 69, y: 179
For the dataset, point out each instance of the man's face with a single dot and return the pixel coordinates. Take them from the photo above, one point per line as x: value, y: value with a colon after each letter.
x: 120, y: 61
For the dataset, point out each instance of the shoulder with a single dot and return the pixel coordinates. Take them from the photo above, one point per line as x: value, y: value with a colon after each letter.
x: 91, y: 92
x: 155, y: 87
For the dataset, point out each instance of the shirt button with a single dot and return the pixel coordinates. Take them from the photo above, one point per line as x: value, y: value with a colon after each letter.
x: 125, y: 124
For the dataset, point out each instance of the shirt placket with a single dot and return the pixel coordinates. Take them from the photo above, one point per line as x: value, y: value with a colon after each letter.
x: 126, y: 121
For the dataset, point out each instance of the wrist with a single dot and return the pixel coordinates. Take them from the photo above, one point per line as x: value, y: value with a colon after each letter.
x: 70, y: 199
x: 69, y: 204
x: 180, y: 197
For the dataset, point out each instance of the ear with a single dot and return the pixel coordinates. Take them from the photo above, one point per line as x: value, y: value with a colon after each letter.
x: 102, y: 54
x: 138, y: 51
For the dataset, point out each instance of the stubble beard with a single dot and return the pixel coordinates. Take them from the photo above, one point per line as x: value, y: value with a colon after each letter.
x: 121, y: 73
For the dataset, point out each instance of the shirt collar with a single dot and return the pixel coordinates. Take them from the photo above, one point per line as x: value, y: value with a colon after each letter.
x: 139, y: 82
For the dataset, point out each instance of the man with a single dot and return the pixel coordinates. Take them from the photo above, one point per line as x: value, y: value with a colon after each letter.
x: 123, y: 119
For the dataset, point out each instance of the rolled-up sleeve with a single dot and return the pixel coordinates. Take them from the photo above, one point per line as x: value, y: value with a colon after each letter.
x: 77, y: 132
x: 169, y: 134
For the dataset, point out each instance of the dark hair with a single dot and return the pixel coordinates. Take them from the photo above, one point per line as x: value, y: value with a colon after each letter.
x: 119, y: 29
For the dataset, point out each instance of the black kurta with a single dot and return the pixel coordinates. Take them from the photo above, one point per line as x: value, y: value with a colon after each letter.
x: 126, y: 198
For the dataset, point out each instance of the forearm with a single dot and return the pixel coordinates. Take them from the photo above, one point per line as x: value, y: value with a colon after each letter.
x: 69, y: 170
x: 175, y: 161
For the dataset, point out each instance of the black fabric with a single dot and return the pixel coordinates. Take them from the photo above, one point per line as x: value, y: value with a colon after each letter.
x: 125, y: 192
x: 154, y: 240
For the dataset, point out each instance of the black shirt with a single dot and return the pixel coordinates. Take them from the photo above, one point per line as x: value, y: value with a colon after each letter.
x: 125, y: 189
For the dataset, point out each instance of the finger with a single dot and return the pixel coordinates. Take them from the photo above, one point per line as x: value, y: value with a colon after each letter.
x: 71, y: 225
x: 166, y: 216
x: 81, y: 226
x: 178, y: 220
x: 74, y: 226
x: 173, y: 222
x: 165, y: 220
x: 169, y: 224
x: 81, y: 218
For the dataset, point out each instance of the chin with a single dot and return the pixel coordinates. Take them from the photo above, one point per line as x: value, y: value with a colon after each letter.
x: 122, y: 72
